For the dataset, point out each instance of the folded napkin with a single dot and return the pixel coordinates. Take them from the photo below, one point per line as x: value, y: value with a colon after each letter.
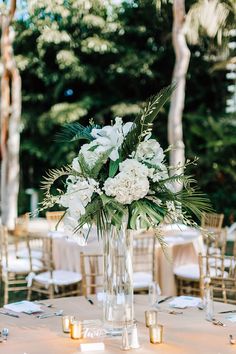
x: 182, y: 302
x: 24, y: 306
x: 231, y: 318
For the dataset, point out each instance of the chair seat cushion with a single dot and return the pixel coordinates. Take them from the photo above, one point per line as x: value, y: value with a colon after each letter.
x: 192, y: 272
x: 21, y: 265
x: 38, y: 254
x: 141, y: 280
x: 59, y: 277
x: 188, y: 271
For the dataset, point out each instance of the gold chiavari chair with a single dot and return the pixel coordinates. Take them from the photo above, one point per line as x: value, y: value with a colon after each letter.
x: 219, y: 272
x: 54, y: 219
x: 216, y: 241
x: 21, y: 229
x: 143, y: 261
x: 92, y: 273
x: 53, y: 282
x: 13, y: 269
x: 187, y: 276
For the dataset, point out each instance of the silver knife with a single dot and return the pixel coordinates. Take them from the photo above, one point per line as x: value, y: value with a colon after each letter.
x: 9, y: 314
x: 165, y: 299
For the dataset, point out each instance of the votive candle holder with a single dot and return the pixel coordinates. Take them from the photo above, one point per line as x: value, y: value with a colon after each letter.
x: 156, y: 334
x: 150, y: 317
x: 76, y: 330
x: 66, y: 323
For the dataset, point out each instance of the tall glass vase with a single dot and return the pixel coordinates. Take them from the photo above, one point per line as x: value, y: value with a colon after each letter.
x: 118, y: 279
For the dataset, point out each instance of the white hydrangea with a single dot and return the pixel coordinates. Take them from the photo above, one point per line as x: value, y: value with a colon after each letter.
x: 130, y: 184
x: 134, y: 167
x: 112, y: 136
x: 126, y: 187
x: 150, y: 151
x: 78, y: 195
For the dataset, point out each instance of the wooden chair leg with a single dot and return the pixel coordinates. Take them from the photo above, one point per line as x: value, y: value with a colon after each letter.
x: 29, y: 293
x: 51, y: 292
x: 6, y: 293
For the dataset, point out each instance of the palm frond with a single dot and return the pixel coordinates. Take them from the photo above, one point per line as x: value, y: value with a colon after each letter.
x: 52, y: 176
x: 143, y: 123
x: 194, y: 202
x: 75, y: 131
x: 114, y: 210
x: 164, y: 245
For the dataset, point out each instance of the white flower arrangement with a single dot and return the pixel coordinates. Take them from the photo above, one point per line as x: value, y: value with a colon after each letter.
x: 121, y: 173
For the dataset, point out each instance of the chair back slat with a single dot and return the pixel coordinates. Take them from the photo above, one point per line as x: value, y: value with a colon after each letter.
x: 144, y: 253
x: 92, y: 272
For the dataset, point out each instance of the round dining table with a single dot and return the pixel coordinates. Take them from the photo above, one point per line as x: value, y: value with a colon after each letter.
x: 186, y: 332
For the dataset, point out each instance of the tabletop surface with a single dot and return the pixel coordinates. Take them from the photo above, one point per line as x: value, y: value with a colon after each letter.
x: 186, y: 333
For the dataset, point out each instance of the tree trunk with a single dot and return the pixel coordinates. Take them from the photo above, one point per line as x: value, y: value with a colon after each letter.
x: 182, y: 58
x: 10, y: 123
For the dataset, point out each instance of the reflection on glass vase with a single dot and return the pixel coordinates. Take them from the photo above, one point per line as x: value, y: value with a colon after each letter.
x: 118, y: 279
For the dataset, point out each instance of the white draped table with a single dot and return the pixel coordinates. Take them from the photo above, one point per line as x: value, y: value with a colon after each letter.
x: 183, y: 248
x: 187, y: 333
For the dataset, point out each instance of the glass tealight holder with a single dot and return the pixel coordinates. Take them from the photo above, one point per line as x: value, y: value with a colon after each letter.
x: 76, y: 330
x: 66, y: 323
x: 156, y: 334
x: 209, y: 303
x: 154, y: 292
x: 150, y: 317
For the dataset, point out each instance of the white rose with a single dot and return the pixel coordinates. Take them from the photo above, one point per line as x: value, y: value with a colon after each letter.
x: 91, y: 152
x: 150, y: 151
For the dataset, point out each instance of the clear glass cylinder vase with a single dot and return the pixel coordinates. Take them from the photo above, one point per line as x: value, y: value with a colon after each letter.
x: 118, y: 278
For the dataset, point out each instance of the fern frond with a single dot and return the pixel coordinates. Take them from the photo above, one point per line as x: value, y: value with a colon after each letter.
x: 75, y: 131
x: 143, y: 122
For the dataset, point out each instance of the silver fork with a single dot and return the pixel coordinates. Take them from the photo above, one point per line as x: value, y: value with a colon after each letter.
x: 46, y: 315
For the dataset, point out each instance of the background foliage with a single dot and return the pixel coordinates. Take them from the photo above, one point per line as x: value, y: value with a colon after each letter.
x: 91, y: 59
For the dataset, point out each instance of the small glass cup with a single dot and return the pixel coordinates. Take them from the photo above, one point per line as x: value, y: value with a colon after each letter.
x: 150, y: 317
x: 156, y: 334
x: 208, y: 303
x: 154, y: 292
x: 76, y: 329
x: 66, y: 323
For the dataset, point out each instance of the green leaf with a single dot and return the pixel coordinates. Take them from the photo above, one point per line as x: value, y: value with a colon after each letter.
x: 113, y: 167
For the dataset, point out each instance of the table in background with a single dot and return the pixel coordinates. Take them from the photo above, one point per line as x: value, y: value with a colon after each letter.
x: 188, y: 333
x: 183, y: 246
